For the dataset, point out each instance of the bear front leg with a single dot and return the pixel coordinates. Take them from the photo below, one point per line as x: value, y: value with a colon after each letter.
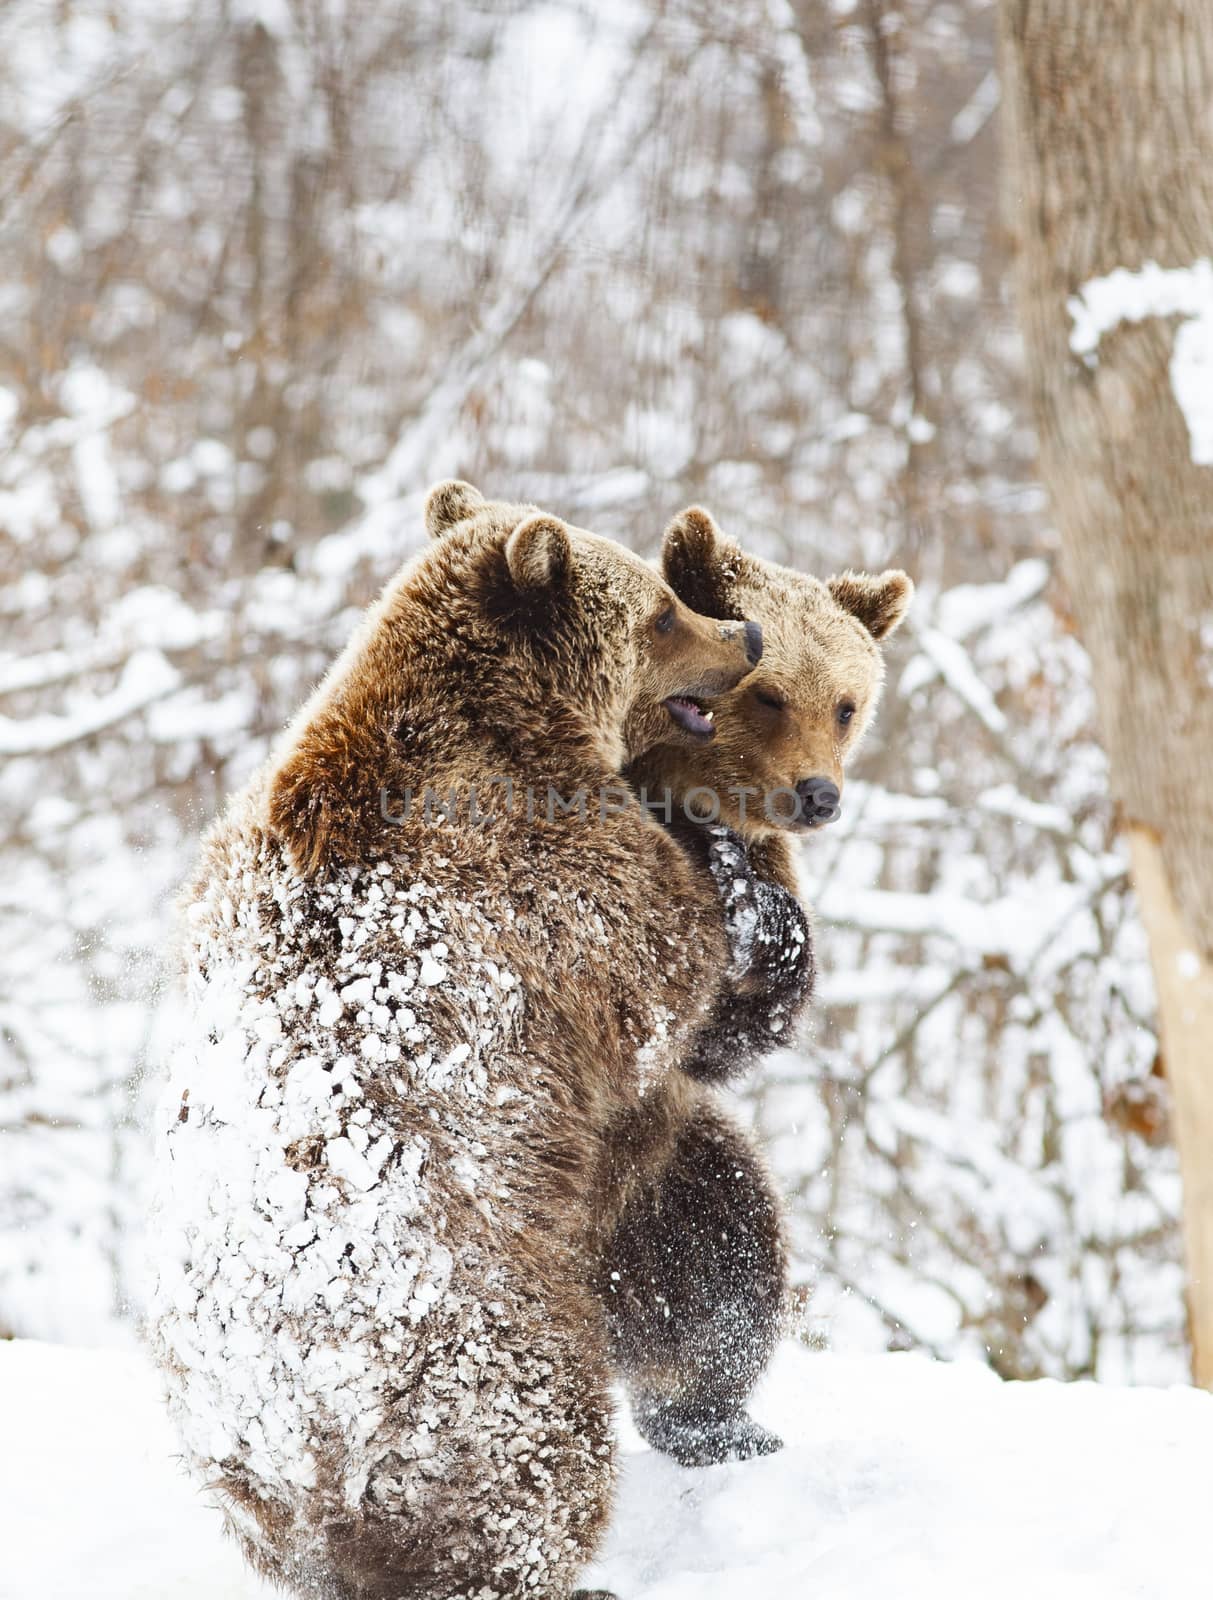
x: 693, y: 1283
x: 770, y: 975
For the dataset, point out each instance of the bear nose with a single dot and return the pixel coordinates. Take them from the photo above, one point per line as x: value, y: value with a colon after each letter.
x: 753, y: 643
x: 818, y: 801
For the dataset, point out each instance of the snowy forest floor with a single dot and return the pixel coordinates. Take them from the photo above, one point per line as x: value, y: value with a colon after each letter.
x: 901, y: 1477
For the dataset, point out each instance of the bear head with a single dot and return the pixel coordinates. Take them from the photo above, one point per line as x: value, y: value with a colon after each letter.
x: 786, y: 734
x: 512, y: 645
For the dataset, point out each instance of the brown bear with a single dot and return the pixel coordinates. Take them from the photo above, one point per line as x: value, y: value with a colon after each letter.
x: 427, y: 970
x: 693, y: 1269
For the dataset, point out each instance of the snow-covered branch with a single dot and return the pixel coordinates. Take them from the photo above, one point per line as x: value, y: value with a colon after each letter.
x: 146, y: 678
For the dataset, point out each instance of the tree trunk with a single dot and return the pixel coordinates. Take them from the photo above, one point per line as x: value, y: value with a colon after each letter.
x: 1108, y: 129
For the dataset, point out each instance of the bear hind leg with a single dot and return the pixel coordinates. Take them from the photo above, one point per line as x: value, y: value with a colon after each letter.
x: 693, y: 1286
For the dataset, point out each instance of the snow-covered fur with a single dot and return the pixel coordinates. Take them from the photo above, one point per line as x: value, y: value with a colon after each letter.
x: 383, y: 1142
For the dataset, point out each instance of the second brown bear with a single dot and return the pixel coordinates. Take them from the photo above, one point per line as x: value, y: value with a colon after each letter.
x: 693, y: 1268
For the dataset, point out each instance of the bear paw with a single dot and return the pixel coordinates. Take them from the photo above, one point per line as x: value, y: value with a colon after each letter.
x: 707, y: 1442
x: 766, y: 927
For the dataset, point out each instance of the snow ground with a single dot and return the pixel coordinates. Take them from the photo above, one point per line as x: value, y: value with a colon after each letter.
x: 901, y: 1477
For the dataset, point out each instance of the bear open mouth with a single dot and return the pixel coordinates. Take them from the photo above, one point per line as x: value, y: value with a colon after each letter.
x: 689, y: 714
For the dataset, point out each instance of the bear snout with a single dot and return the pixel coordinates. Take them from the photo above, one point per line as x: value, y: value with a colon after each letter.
x: 753, y: 643
x: 819, y: 801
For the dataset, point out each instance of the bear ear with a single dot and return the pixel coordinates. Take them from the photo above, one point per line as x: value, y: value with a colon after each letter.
x: 539, y: 553
x: 878, y: 600
x: 450, y: 503
x: 699, y: 563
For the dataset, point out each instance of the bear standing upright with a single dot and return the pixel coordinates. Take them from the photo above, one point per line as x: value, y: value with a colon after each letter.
x: 410, y: 1029
x: 692, y: 1272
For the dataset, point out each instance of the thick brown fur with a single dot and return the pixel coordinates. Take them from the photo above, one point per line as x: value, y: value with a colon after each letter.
x: 694, y: 1267
x: 386, y: 1132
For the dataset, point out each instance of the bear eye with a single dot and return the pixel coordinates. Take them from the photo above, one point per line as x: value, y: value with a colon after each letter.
x: 767, y: 698
x: 845, y: 713
x: 665, y: 621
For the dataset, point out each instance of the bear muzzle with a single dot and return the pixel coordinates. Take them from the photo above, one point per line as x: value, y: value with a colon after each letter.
x: 820, y: 802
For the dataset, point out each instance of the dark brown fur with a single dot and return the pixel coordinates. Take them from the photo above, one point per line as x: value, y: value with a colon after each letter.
x: 692, y: 1280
